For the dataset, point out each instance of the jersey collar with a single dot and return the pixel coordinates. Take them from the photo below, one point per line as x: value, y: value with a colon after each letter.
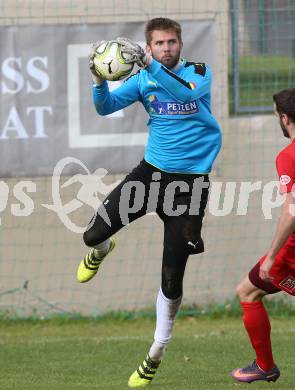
x: 179, y: 65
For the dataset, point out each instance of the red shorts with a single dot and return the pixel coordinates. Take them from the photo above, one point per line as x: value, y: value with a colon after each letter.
x: 283, y: 272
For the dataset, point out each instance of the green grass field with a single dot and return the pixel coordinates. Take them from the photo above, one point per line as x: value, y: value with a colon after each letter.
x: 85, y: 354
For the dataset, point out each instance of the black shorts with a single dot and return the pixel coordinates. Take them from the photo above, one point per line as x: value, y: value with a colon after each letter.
x: 178, y: 199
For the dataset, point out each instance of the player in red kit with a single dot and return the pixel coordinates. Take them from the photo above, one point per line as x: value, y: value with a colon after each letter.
x: 276, y: 270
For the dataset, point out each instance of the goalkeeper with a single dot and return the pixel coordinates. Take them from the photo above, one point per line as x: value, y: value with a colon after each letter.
x: 184, y: 140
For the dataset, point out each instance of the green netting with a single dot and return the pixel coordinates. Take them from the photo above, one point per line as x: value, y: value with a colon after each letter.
x: 263, y: 52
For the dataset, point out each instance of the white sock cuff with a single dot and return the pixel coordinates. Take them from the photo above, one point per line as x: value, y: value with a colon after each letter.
x: 179, y: 299
x: 104, y: 246
x: 157, y: 350
x: 100, y: 250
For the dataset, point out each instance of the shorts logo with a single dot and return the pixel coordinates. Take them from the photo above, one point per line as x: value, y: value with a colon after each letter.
x: 285, y: 179
x: 172, y: 108
x: 192, y: 244
x: 288, y: 284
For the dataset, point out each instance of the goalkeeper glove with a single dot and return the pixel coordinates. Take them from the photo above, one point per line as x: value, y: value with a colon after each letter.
x: 95, y: 77
x: 135, y: 51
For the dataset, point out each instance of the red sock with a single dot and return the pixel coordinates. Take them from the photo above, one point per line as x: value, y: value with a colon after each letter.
x: 257, y: 324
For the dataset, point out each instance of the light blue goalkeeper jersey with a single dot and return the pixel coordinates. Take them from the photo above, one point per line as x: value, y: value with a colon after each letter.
x: 184, y: 136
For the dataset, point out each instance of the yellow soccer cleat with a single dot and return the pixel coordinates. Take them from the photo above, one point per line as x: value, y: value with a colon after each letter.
x: 88, y: 267
x: 144, y: 374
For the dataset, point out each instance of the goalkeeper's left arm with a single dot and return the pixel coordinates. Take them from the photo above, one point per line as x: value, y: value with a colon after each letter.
x: 196, y: 84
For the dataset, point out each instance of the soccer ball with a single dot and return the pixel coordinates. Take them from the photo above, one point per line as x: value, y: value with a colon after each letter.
x: 109, y: 61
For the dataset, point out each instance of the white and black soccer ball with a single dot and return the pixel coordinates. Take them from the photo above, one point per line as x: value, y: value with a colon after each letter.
x: 110, y: 62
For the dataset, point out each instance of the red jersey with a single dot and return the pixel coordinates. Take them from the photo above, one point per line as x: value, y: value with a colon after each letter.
x: 286, y: 170
x: 283, y: 269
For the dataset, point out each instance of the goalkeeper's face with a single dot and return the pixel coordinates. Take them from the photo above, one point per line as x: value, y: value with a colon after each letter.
x: 165, y: 47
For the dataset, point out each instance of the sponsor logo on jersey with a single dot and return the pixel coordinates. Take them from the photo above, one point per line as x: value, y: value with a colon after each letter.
x: 193, y: 85
x: 285, y: 179
x: 172, y: 108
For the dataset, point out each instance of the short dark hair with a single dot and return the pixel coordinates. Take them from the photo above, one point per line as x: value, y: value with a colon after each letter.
x: 162, y: 24
x: 285, y: 103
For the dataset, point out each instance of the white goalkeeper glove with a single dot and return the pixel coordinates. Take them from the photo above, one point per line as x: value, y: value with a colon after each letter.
x: 95, y: 77
x: 135, y: 51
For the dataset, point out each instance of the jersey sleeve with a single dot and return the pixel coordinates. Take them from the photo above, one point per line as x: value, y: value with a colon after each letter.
x: 197, y: 81
x: 286, y: 171
x: 107, y: 102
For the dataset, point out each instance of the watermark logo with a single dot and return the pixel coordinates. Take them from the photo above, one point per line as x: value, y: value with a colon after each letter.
x: 92, y: 186
x: 225, y: 198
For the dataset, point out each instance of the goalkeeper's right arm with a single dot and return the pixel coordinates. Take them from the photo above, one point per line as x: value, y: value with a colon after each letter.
x: 107, y: 102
